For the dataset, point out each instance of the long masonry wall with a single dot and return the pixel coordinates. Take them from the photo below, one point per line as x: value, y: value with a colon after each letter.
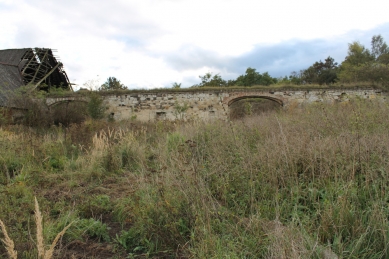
x: 207, y: 105
x: 166, y: 106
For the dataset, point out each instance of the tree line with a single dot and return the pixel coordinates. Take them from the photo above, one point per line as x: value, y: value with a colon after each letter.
x: 360, y: 65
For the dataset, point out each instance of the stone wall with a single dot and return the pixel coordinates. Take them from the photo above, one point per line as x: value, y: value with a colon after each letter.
x: 213, y: 104
x: 166, y: 106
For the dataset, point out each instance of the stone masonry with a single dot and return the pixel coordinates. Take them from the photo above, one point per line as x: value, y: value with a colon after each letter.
x: 214, y: 104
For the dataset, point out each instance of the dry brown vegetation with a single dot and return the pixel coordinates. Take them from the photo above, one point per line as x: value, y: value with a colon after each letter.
x: 310, y: 182
x: 42, y: 252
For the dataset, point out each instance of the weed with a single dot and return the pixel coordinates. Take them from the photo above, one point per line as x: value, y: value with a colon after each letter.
x: 96, y: 206
x: 308, y: 183
x: 93, y: 229
x: 8, y: 242
x: 180, y: 109
x: 132, y: 241
x: 40, y: 246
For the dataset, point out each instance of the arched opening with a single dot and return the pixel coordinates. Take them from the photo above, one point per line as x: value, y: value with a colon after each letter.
x: 252, y: 105
x: 68, y: 112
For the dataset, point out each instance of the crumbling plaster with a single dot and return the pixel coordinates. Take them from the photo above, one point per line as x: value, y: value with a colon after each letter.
x: 206, y: 105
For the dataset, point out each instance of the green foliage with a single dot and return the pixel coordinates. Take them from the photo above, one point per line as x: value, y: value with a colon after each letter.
x: 180, y: 109
x: 160, y: 220
x: 209, y: 80
x: 93, y: 229
x: 132, y: 241
x: 248, y: 108
x: 96, y: 206
x: 372, y: 72
x: 252, y: 77
x: 294, y: 78
x: 358, y: 54
x: 174, y: 140
x: 361, y: 64
x: 112, y: 84
x: 10, y: 167
x: 291, y: 184
x: 379, y: 49
x: 58, y: 91
x: 95, y: 107
x: 321, y: 72
x: 176, y: 85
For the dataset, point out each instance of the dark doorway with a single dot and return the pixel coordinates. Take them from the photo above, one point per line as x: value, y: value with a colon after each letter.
x: 251, y: 107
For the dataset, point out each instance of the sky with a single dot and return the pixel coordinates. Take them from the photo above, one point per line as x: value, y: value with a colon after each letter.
x: 154, y: 43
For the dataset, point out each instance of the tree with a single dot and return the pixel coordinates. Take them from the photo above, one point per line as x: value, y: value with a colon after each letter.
x: 358, y: 54
x: 205, y: 79
x: 266, y: 79
x: 295, y: 78
x: 358, y: 58
x: 231, y: 82
x: 378, y: 46
x: 321, y: 72
x: 176, y: 85
x: 92, y: 84
x: 327, y: 71
x: 209, y: 80
x: 112, y: 84
x: 361, y: 64
x: 252, y: 77
x: 380, y: 49
x: 249, y: 78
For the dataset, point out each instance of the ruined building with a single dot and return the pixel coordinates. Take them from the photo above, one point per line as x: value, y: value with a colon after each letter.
x: 37, y: 67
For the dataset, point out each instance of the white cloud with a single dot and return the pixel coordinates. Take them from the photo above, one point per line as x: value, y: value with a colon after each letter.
x: 135, y: 40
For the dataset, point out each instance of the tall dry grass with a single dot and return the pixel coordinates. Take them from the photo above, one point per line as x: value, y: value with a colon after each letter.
x: 8, y: 242
x: 40, y: 244
x: 321, y: 168
x: 303, y: 183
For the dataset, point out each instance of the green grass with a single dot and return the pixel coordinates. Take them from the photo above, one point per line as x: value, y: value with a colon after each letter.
x: 288, y: 184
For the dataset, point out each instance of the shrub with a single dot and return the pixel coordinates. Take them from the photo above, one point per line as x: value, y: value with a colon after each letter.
x: 95, y: 107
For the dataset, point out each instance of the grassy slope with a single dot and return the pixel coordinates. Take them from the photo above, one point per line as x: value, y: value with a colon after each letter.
x: 296, y: 184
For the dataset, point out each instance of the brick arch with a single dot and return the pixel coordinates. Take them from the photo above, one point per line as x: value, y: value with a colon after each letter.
x: 234, y: 99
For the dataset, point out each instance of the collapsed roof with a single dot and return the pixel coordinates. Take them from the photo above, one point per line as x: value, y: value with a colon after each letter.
x: 37, y: 67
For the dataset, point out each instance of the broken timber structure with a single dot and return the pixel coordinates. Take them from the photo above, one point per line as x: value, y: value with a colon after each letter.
x: 36, y: 67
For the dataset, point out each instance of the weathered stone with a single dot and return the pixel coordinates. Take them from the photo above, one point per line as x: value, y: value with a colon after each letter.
x: 215, y: 105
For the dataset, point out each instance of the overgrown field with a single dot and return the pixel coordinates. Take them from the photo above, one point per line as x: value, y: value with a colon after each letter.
x: 304, y: 183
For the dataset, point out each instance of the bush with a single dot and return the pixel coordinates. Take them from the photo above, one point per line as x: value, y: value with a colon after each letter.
x: 95, y: 106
